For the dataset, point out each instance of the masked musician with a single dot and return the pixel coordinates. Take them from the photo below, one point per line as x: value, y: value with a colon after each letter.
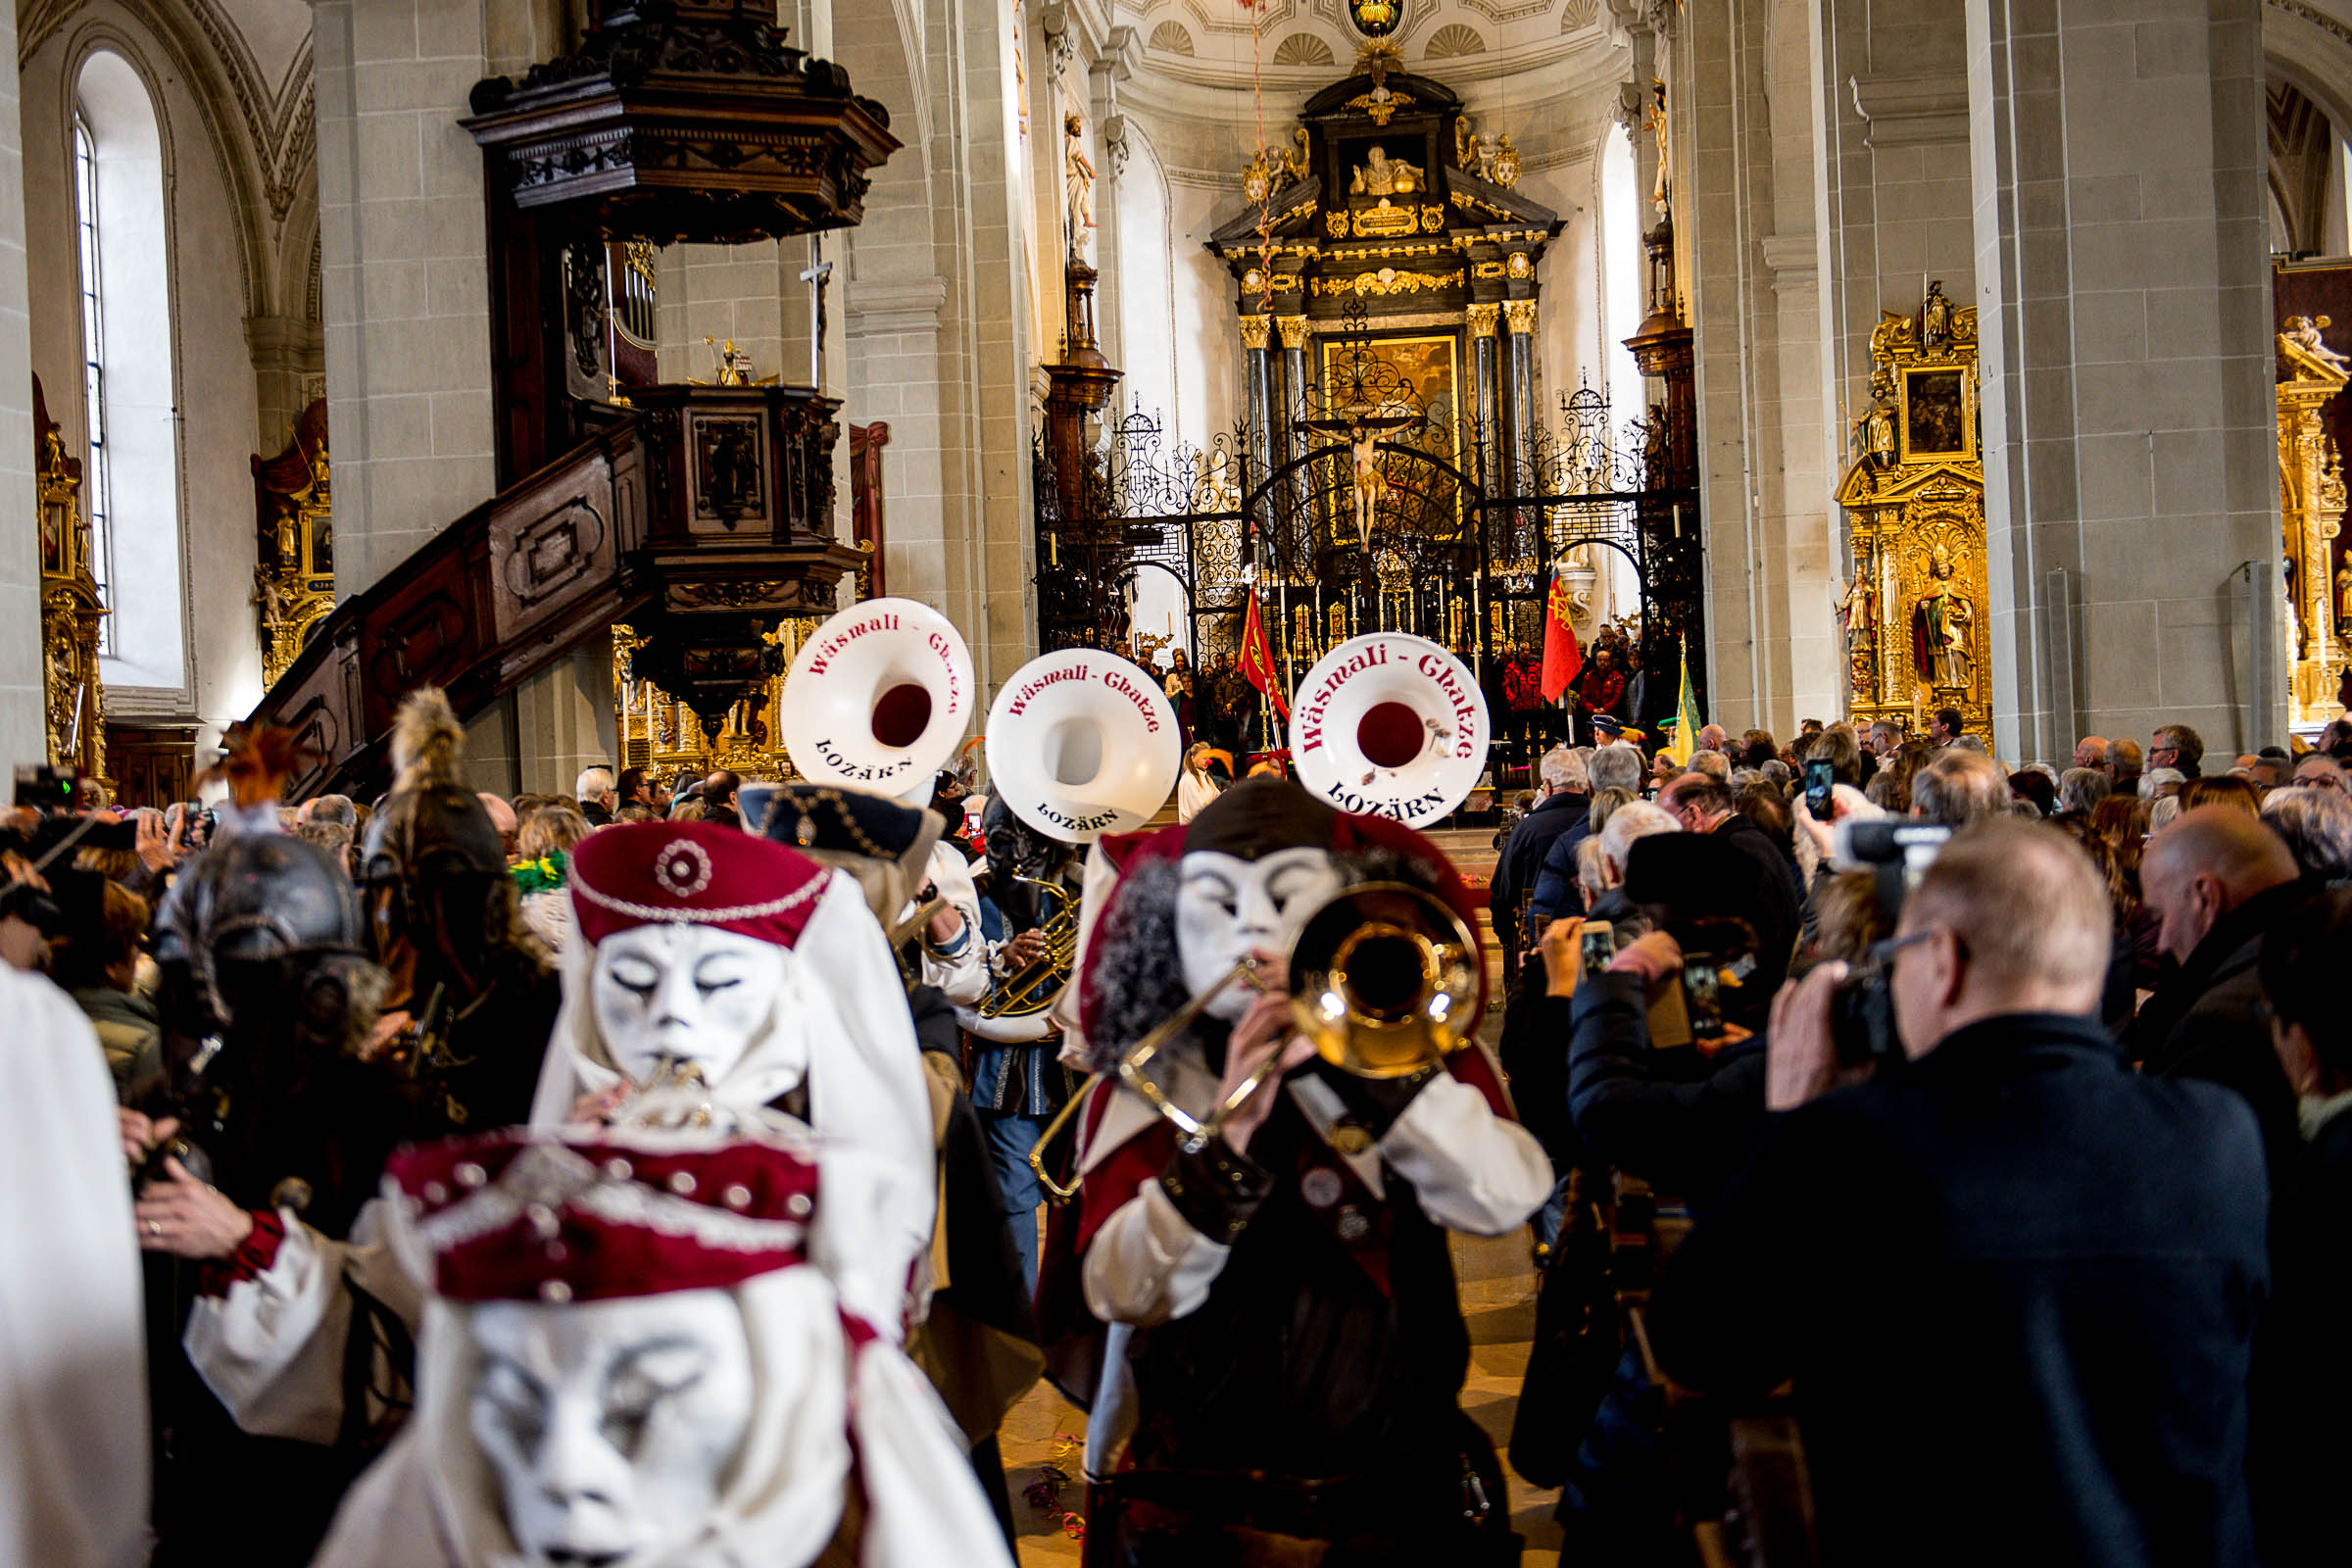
x: 473, y: 997
x: 1018, y: 1084
x: 716, y: 976
x: 978, y: 1340
x: 1284, y: 1349
x: 265, y: 972
x: 635, y: 1350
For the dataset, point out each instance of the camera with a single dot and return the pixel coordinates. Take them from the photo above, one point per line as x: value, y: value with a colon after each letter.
x: 1899, y: 850
x: 52, y: 791
x: 1862, y: 1020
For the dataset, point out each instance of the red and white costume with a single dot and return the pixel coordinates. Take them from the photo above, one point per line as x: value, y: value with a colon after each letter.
x: 847, y: 1453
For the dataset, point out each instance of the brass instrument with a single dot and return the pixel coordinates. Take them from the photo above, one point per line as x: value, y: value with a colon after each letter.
x: 1015, y: 1008
x: 1384, y: 983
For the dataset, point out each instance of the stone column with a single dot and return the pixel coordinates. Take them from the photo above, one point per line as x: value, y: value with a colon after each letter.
x: 1258, y: 386
x: 565, y: 721
x: 1519, y: 386
x: 405, y: 273
x: 23, y: 733
x: 1488, y: 409
x: 287, y: 352
x: 2128, y: 432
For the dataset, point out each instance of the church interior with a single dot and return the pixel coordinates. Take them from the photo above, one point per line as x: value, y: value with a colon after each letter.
x: 1964, y: 370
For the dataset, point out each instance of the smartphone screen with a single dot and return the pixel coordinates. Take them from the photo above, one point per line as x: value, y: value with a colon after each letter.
x: 1700, y: 988
x: 1598, y: 942
x: 1819, y: 777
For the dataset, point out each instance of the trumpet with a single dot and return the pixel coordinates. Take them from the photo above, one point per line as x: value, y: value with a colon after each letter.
x: 1384, y: 982
x: 1014, y: 1009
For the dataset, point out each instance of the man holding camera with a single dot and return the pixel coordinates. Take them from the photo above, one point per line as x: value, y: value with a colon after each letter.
x: 2013, y: 1281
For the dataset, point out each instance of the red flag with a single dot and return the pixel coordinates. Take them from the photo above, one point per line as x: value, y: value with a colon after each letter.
x: 1562, y: 658
x: 1257, y: 660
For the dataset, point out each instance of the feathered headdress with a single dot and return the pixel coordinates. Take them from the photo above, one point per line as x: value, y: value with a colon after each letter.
x: 425, y: 739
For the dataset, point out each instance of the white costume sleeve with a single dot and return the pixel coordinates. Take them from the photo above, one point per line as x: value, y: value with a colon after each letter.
x: 923, y: 1506
x: 1472, y: 1170
x: 73, y: 1481
x: 964, y: 975
x: 1148, y: 1264
x: 271, y: 1349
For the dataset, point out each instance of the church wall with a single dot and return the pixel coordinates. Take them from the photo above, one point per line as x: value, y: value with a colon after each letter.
x: 211, y: 275
x: 2129, y: 421
x: 23, y: 733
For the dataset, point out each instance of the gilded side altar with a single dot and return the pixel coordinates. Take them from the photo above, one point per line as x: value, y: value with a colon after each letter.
x: 72, y: 611
x: 294, y: 574
x: 1913, y: 610
x: 2311, y: 508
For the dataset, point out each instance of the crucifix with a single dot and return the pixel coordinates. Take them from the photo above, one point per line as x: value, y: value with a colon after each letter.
x: 819, y: 272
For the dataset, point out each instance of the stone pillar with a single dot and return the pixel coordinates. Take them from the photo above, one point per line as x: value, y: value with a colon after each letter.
x: 287, y: 352
x: 23, y: 733
x: 1519, y: 386
x: 1258, y: 386
x: 1488, y: 409
x: 405, y: 275
x: 565, y: 721
x: 2118, y: 161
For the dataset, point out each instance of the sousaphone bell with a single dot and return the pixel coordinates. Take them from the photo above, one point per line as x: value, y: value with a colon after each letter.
x: 1384, y: 983
x: 878, y: 699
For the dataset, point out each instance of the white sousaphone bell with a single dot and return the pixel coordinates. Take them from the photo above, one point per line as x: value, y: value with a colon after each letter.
x: 1082, y: 743
x: 878, y: 699
x: 1390, y: 724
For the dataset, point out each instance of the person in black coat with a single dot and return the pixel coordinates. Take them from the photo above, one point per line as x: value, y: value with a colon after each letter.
x: 2014, y: 1282
x: 2219, y: 880
x: 2301, y: 1447
x: 1706, y: 805
x: 1561, y: 812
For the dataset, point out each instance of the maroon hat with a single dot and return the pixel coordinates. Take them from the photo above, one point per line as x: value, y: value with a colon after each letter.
x: 525, y: 1216
x: 692, y: 873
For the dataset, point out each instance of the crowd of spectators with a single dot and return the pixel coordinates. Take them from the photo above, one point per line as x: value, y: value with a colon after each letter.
x: 2008, y: 1104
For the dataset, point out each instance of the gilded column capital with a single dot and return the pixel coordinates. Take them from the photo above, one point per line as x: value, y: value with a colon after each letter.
x: 1519, y: 315
x: 1481, y: 319
x: 1292, y: 329
x: 1255, y: 329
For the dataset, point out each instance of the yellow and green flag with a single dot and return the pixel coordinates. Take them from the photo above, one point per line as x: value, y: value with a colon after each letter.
x: 1688, y: 720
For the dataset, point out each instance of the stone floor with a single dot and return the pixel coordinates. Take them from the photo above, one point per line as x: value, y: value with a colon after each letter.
x: 1497, y: 1299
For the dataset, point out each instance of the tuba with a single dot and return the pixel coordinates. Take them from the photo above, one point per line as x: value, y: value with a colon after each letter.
x: 1082, y: 743
x: 877, y: 700
x: 1390, y: 724
x: 1384, y: 983
x: 1079, y: 742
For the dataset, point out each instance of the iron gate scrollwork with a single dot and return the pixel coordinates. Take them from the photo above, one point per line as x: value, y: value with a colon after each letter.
x: 1391, y: 509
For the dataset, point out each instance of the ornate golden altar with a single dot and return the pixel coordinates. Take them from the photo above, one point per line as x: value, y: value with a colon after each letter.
x: 1913, y: 609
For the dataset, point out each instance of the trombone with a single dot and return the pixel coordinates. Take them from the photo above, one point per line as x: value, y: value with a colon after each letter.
x: 1384, y: 983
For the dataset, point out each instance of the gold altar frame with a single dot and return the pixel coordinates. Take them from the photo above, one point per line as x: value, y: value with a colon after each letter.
x: 1902, y: 515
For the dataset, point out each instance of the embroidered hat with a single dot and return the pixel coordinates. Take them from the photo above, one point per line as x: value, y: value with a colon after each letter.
x: 700, y: 873
x: 523, y: 1216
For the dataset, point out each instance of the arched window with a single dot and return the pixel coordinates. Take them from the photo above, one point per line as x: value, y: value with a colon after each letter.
x: 130, y: 479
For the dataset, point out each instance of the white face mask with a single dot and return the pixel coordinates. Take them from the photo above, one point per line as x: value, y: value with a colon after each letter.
x: 690, y: 993
x: 1227, y: 908
x: 610, y: 1424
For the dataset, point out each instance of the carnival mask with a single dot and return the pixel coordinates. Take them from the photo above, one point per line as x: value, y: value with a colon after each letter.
x: 610, y: 1424
x: 1227, y: 908
x: 682, y: 992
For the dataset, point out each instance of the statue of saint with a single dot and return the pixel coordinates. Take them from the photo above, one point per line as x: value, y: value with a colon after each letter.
x: 1875, y: 430
x: 1080, y: 172
x: 1939, y: 627
x: 1662, y: 190
x: 1857, y: 607
x: 2303, y: 332
x: 1383, y: 175
x: 2343, y: 595
x: 1936, y: 317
